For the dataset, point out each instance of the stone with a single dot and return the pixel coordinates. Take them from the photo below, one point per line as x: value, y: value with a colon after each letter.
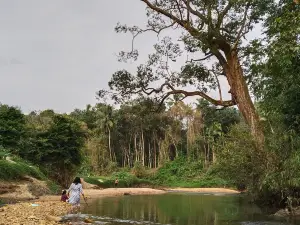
x: 54, y: 218
x: 87, y: 220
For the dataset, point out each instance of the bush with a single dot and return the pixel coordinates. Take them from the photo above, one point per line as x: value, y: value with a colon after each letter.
x: 111, y: 167
x: 126, y: 179
x: 238, y: 158
x: 13, y: 171
x: 280, y: 186
x: 179, y: 169
x: 139, y: 170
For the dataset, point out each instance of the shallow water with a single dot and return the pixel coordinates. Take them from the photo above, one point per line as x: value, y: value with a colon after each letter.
x: 179, y: 209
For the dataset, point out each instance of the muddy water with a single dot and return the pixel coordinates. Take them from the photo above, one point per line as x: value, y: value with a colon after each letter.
x: 179, y: 209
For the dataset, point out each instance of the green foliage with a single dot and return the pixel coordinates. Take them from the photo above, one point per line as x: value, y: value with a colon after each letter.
x: 3, y: 153
x: 55, y: 142
x: 111, y: 167
x: 62, y: 154
x: 280, y: 185
x: 126, y: 179
x: 225, y: 117
x: 16, y: 171
x: 139, y: 170
x: 276, y: 65
x: 189, y: 174
x: 238, y: 159
x: 12, y: 127
x: 180, y: 168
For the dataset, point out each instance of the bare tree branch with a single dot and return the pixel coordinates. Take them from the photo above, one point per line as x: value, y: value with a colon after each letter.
x: 179, y: 9
x: 242, y: 27
x: 187, y: 94
x: 150, y: 29
x: 188, y: 12
x: 195, y: 12
x: 223, y: 13
x: 219, y: 86
x: 202, y: 59
x: 193, y: 31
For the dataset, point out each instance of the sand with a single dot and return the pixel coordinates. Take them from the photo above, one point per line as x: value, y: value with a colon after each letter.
x: 97, y: 193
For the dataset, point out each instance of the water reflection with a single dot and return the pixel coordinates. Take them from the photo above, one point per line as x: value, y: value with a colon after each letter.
x: 178, y: 209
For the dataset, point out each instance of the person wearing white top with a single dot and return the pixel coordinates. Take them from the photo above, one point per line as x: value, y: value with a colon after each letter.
x: 74, y: 194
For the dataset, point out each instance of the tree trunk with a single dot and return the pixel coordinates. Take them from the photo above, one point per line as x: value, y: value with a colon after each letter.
x: 129, y: 152
x: 109, y: 146
x: 143, y: 148
x: 187, y: 139
x: 135, y: 148
x: 214, y: 158
x: 154, y: 144
x: 149, y: 155
x: 241, y: 95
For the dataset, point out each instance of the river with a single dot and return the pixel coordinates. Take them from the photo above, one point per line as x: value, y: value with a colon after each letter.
x: 179, y: 209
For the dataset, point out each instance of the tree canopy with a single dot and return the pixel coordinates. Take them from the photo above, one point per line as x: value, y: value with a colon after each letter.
x: 212, y: 31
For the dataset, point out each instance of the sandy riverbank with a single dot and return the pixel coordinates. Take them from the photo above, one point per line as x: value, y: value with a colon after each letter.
x: 49, y: 207
x: 96, y: 193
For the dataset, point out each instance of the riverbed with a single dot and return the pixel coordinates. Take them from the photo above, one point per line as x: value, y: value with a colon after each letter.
x: 179, y: 208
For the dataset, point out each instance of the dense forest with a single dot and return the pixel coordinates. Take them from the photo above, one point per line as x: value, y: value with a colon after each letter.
x: 155, y: 135
x: 100, y: 139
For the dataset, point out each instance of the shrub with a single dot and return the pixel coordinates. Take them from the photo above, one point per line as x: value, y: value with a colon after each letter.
x: 111, y: 167
x: 139, y: 170
x: 240, y: 161
x: 14, y: 171
x: 179, y: 169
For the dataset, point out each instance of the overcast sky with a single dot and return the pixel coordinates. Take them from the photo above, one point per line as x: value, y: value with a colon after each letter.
x: 57, y: 53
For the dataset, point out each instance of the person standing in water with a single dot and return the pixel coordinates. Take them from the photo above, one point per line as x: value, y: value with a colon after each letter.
x: 74, y: 194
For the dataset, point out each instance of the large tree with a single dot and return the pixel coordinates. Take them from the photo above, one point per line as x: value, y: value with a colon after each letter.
x: 12, y: 127
x: 213, y: 28
x: 278, y: 73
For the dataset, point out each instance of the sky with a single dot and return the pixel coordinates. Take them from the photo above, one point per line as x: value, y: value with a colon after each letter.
x: 56, y: 54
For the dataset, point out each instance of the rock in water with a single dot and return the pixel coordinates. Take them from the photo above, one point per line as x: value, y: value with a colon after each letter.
x: 87, y: 220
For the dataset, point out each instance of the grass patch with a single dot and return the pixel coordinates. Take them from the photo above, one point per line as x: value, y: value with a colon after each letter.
x: 201, y: 183
x: 185, y: 174
x: 15, y: 171
x: 126, y: 179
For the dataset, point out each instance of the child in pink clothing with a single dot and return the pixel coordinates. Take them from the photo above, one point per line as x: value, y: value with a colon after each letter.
x: 64, y: 196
